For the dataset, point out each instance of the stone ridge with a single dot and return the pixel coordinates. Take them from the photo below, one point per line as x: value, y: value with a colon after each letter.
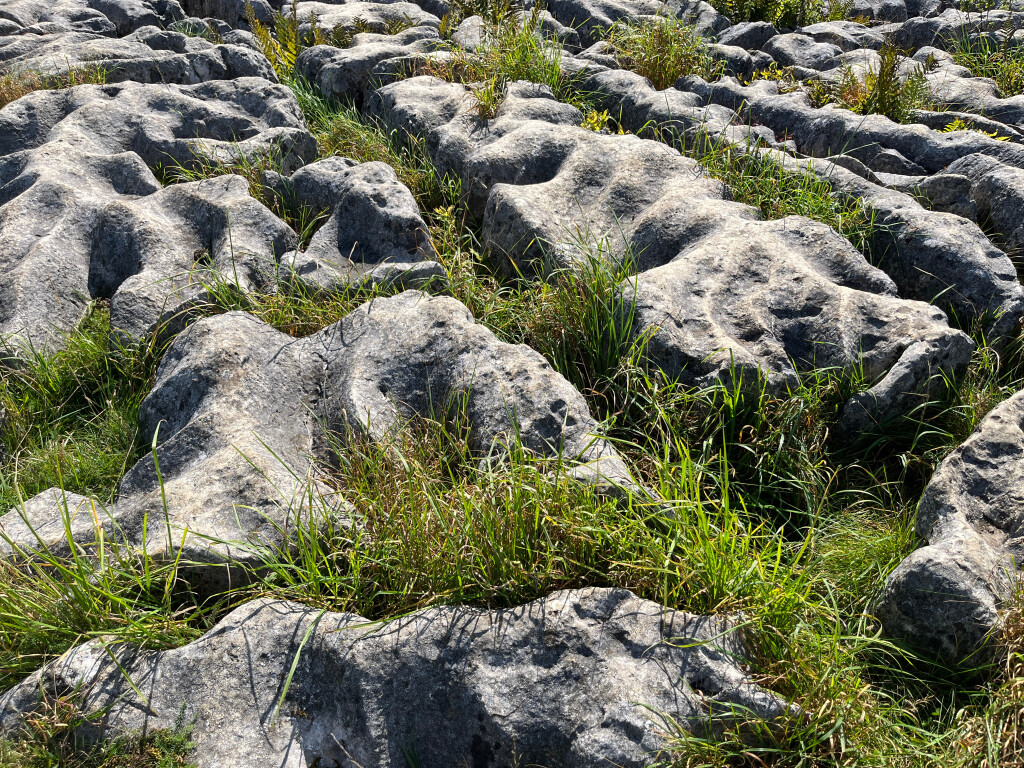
x: 577, y: 678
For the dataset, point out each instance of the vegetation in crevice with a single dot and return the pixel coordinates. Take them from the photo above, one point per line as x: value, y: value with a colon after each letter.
x: 69, y: 418
x: 14, y: 85
x: 784, y: 13
x: 883, y: 90
x: 1001, y: 60
x: 663, y: 49
x: 50, y: 739
x: 773, y: 518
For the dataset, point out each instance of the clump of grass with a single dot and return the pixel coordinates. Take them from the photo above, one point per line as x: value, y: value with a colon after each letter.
x: 663, y: 49
x: 985, y: 57
x: 881, y: 91
x: 51, y: 602
x: 252, y: 167
x: 70, y: 417
x: 50, y: 738
x: 784, y: 13
x: 512, y: 49
x: 762, y: 182
x: 14, y: 85
x: 341, y: 130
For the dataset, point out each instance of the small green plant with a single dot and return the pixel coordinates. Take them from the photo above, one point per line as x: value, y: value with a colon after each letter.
x: 70, y: 416
x: 49, y: 739
x: 881, y: 91
x: 601, y: 122
x: 511, y: 50
x: 959, y: 124
x: 787, y: 81
x: 985, y: 57
x: 14, y: 85
x: 489, y: 96
x: 252, y: 167
x: 663, y: 49
x: 340, y: 129
x: 287, y: 40
x: 785, y: 13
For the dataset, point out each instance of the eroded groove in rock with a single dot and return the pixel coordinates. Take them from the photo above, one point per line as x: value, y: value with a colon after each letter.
x: 579, y: 678
x: 114, y: 18
x: 148, y: 55
x: 237, y: 460
x: 373, y: 235
x: 83, y: 216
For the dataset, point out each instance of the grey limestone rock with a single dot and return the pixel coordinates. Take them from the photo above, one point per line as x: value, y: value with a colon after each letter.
x: 105, y: 17
x: 782, y: 298
x: 148, y: 55
x: 82, y: 216
x: 578, y: 678
x: 793, y: 50
x: 590, y: 18
x: 930, y: 255
x: 344, y: 73
x: 847, y: 35
x: 808, y: 301
x: 377, y: 14
x: 946, y: 596
x: 751, y: 35
x: 238, y: 461
x: 373, y: 234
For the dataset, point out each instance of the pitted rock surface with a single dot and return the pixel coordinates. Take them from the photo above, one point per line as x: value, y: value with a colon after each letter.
x: 237, y: 460
x: 149, y: 55
x: 82, y: 215
x: 114, y: 18
x: 808, y: 300
x: 579, y: 678
x: 946, y: 596
x: 373, y: 234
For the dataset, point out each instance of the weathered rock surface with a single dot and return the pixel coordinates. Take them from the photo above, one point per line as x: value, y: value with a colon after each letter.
x: 373, y: 234
x: 82, y: 216
x: 787, y: 297
x: 149, y: 55
x: 236, y: 458
x: 344, y: 73
x: 717, y: 287
x: 105, y: 17
x: 579, y: 678
x: 946, y: 596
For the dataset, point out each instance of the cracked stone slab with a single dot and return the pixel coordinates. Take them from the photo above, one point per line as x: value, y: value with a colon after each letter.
x: 578, y: 678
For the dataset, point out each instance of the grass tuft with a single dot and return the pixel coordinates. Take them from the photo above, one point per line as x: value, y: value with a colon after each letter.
x: 14, y: 85
x: 69, y: 418
x: 663, y: 49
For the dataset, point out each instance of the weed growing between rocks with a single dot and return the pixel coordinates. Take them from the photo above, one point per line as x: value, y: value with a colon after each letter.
x: 986, y: 57
x: 511, y: 50
x: 341, y: 130
x: 887, y: 90
x: 14, y: 85
x: 283, y: 44
x: 759, y: 181
x: 48, y: 740
x: 784, y: 13
x: 69, y: 418
x: 663, y: 49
